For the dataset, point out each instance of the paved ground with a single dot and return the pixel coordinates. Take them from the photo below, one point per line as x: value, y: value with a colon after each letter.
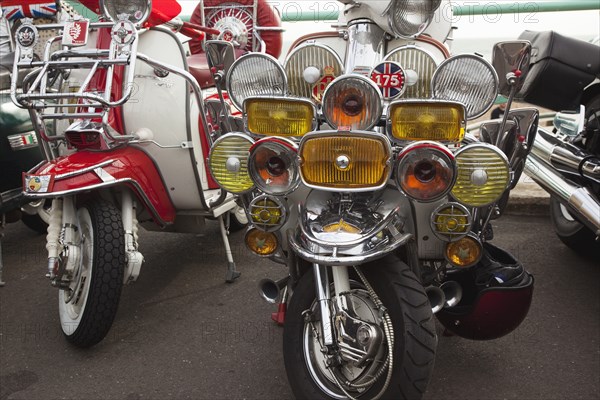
x: 182, y: 333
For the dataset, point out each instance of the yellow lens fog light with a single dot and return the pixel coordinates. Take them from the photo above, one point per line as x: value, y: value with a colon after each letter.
x: 280, y: 116
x: 260, y: 242
x: 464, y: 252
x: 228, y: 162
x: 420, y: 120
x: 451, y: 222
x: 268, y: 213
x: 483, y: 175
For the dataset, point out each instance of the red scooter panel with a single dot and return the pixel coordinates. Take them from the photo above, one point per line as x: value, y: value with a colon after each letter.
x: 86, y: 170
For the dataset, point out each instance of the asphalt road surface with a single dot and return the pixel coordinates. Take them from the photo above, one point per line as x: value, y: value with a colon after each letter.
x: 182, y: 333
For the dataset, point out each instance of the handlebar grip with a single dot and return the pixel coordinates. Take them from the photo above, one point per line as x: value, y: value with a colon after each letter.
x: 192, y: 33
x: 210, y: 31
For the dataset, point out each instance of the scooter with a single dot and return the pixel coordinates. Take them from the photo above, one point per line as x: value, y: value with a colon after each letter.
x: 358, y: 177
x: 131, y: 134
x: 566, y: 160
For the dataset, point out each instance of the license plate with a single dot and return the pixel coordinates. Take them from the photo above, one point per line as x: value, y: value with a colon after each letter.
x: 76, y: 33
x: 37, y: 183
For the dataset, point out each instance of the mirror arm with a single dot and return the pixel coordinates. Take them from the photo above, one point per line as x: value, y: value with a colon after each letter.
x: 512, y: 78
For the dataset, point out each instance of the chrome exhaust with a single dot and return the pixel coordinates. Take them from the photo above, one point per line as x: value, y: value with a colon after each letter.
x: 579, y: 200
x: 565, y: 157
x: 452, y: 293
x: 270, y: 290
x: 436, y: 297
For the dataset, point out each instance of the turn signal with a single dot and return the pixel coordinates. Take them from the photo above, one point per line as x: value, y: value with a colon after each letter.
x: 279, y: 116
x: 273, y: 166
x: 260, y: 242
x: 427, y: 121
x: 228, y: 162
x: 426, y: 171
x: 352, y: 102
x: 465, y: 252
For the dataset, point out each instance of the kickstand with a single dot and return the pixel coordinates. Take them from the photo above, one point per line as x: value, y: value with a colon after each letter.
x: 231, y: 274
x: 2, y: 283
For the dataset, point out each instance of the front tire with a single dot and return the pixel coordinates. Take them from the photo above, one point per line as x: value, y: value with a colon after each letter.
x: 88, y: 309
x: 415, y: 338
x: 572, y: 232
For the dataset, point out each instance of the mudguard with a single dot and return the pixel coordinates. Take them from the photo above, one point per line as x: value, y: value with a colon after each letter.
x: 90, y: 170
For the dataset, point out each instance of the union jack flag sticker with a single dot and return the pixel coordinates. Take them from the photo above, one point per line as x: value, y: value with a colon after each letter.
x: 17, y: 9
x: 390, y: 78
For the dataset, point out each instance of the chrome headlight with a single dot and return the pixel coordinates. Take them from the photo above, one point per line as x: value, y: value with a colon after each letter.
x: 352, y: 102
x: 279, y: 116
x: 409, y: 18
x: 426, y: 171
x: 137, y: 11
x: 483, y: 175
x: 255, y: 74
x: 418, y: 66
x: 273, y: 166
x: 228, y: 162
x: 451, y: 222
x: 267, y: 213
x: 310, y: 68
x: 467, y: 79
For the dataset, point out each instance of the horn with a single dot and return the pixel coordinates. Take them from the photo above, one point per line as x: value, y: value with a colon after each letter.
x: 452, y: 293
x: 436, y: 298
x: 270, y: 290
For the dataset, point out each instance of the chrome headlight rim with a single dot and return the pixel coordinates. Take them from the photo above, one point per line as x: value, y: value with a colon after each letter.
x: 279, y: 68
x: 451, y: 237
x: 238, y: 135
x: 306, y: 101
x: 378, y: 104
x: 436, y: 148
x: 501, y: 156
x: 139, y: 19
x: 495, y: 82
x: 264, y: 226
x: 289, y: 146
x: 435, y: 4
x: 352, y: 134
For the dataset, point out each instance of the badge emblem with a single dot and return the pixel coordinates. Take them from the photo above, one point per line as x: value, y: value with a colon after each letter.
x: 390, y: 78
x: 75, y: 33
x: 319, y: 86
x: 37, y: 183
x: 26, y: 35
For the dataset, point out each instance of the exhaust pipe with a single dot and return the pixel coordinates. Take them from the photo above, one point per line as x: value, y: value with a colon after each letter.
x: 270, y: 290
x: 452, y: 293
x: 436, y: 297
x: 581, y: 202
x: 565, y: 157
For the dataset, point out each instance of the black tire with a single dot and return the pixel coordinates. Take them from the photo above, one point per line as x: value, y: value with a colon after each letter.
x: 572, y: 232
x: 414, y: 330
x: 35, y: 223
x: 238, y: 219
x: 87, y: 318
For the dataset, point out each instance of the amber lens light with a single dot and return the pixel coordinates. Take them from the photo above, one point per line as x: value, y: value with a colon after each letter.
x: 261, y: 242
x: 444, y: 122
x: 343, y: 162
x: 464, y: 252
x: 451, y: 222
x: 483, y: 175
x: 267, y: 213
x: 273, y: 166
x: 228, y: 162
x: 279, y: 116
x: 426, y: 171
x: 352, y: 102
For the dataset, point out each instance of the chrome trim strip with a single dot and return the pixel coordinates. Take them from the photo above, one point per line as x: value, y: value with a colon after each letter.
x: 82, y: 171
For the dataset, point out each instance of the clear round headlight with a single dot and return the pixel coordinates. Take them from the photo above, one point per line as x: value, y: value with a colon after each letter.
x: 467, y: 79
x: 228, y: 162
x: 426, y: 171
x: 137, y: 11
x: 273, y: 166
x: 419, y: 66
x: 409, y: 18
x: 352, y: 102
x: 310, y: 68
x: 255, y: 74
x: 483, y: 175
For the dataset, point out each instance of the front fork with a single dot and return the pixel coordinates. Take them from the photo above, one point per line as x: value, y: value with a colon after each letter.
x: 341, y: 284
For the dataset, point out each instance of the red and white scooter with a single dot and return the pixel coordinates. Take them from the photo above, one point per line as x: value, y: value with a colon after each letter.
x: 126, y: 131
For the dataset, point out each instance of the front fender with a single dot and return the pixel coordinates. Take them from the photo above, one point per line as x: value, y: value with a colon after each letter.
x: 90, y: 170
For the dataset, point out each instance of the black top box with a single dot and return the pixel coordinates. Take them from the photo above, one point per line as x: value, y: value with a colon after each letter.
x: 560, y: 69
